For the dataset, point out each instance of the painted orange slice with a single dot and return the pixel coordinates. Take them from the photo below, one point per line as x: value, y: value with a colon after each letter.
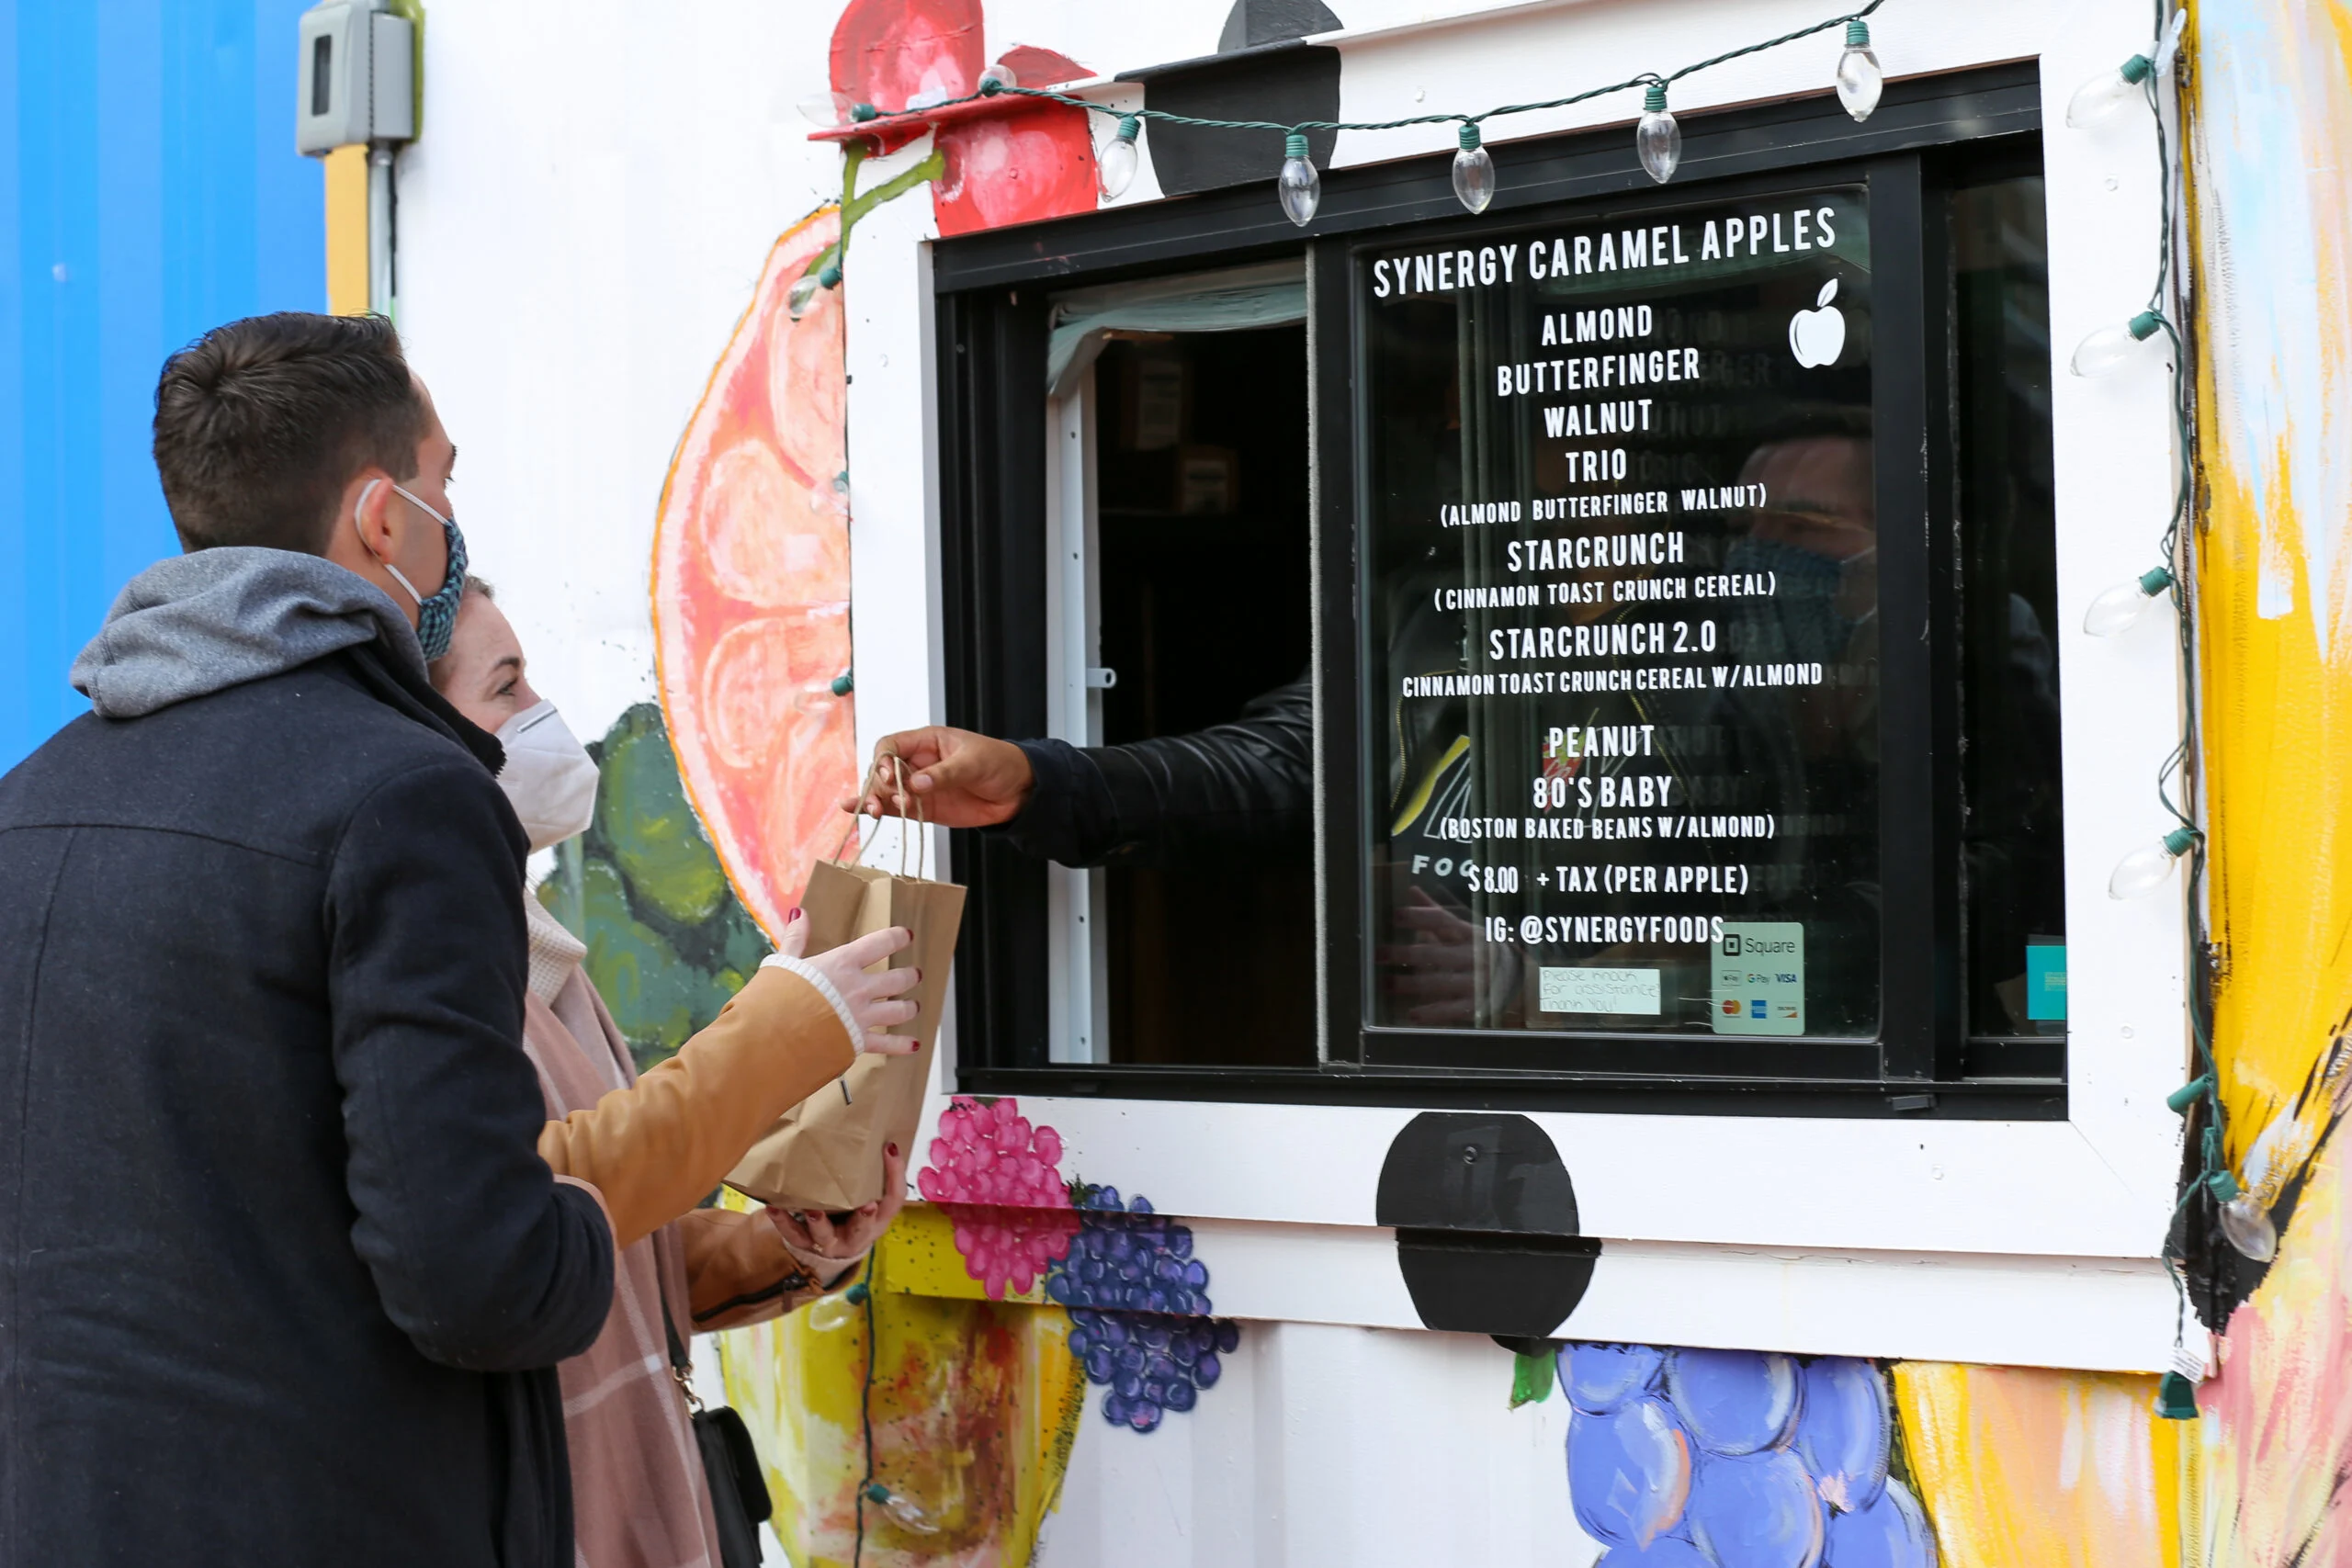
x: 751, y: 590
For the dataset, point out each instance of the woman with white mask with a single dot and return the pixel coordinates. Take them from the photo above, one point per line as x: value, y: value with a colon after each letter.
x: 654, y: 1147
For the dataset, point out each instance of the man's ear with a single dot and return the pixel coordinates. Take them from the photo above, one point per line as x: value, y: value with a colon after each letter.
x: 371, y: 497
x: 362, y: 536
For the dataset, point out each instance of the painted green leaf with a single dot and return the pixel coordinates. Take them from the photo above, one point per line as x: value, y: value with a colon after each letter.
x: 1530, y: 1380
x: 656, y: 998
x: 648, y: 826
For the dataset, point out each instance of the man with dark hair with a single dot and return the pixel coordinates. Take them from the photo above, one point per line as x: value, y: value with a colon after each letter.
x: 282, y: 1276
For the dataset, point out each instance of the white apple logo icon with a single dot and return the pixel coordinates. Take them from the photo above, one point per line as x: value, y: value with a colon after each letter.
x: 1815, y: 337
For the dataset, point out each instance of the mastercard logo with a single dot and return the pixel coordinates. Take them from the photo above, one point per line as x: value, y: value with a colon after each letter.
x: 1731, y: 1008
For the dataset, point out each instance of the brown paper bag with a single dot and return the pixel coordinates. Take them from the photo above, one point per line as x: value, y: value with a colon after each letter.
x: 826, y: 1152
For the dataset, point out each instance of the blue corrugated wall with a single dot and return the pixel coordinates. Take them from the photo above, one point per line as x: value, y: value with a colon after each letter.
x: 149, y: 189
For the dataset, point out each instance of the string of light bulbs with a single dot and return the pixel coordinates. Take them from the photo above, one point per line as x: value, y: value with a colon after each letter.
x: 2241, y: 1217
x: 1658, y: 139
x: 1298, y: 183
x: 904, y: 1511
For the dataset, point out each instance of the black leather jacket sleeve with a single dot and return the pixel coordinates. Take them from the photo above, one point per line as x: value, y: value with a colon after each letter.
x: 1246, y: 787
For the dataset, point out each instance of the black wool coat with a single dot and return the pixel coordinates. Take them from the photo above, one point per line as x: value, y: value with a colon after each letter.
x: 282, y: 1276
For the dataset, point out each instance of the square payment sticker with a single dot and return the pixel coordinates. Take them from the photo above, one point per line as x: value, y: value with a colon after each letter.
x: 1758, y: 979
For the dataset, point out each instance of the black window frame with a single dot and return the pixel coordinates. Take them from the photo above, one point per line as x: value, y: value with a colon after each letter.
x: 990, y: 298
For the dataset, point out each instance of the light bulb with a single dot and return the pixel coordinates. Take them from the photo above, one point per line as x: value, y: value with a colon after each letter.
x: 805, y: 288
x: 2108, y: 91
x: 2169, y: 45
x: 838, y: 1310
x: 1860, y: 80
x: 1474, y: 172
x: 2143, y: 871
x: 1657, y: 141
x: 1114, y: 167
x: 2112, y: 348
x: 903, y: 1510
x: 828, y: 109
x: 2245, y: 1224
x: 2123, y: 604
x: 1300, y: 187
x: 998, y: 77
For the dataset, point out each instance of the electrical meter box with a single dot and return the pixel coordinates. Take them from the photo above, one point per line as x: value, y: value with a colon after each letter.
x: 357, y: 77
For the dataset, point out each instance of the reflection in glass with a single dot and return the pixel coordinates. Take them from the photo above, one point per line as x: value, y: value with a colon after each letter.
x: 2013, y: 839
x: 1622, y: 625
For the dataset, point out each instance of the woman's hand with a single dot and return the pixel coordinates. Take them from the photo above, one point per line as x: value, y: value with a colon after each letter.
x: 875, y: 1000
x: 827, y: 1250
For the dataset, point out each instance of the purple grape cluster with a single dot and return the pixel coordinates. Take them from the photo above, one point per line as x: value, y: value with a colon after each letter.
x: 1139, y: 1301
x: 1152, y: 1363
x: 1126, y: 1257
x: 1736, y: 1459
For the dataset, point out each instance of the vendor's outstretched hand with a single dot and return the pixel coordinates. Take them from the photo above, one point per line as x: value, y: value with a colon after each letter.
x: 828, y: 1249
x: 961, y: 780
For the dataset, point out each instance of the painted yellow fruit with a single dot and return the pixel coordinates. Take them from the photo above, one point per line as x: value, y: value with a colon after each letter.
x: 972, y: 1407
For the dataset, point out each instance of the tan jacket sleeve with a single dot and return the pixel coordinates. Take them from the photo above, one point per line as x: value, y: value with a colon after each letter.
x: 738, y: 1270
x: 657, y: 1148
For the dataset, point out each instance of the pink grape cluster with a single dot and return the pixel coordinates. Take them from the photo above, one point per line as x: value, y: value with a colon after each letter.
x: 998, y: 1179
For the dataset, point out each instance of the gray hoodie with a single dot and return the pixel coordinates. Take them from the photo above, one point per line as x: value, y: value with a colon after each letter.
x: 204, y: 622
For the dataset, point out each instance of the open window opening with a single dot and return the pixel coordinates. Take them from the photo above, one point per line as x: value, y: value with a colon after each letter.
x: 1194, y: 560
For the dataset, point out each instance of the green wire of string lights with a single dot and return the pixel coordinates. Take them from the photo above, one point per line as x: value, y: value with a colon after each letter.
x: 2238, y: 1216
x: 1658, y: 142
x: 991, y: 89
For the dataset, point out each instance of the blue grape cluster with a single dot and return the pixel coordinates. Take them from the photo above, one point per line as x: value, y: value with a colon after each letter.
x: 1139, y: 1299
x: 1151, y: 1363
x: 1126, y: 1257
x: 1736, y: 1459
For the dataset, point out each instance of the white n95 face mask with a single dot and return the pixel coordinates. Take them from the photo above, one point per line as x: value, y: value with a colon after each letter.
x: 549, y: 778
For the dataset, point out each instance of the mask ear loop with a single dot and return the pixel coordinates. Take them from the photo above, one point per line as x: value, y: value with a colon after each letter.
x: 398, y: 575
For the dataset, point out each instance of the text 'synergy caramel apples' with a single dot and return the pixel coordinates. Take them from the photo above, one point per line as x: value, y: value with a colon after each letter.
x: 751, y: 590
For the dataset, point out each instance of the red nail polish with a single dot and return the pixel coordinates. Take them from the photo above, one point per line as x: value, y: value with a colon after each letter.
x: 893, y: 1148
x: 794, y: 915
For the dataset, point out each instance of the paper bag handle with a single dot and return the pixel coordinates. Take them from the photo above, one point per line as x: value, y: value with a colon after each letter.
x: 922, y: 820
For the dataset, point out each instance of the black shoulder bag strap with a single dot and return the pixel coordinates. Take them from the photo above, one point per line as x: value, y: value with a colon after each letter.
x: 739, y: 1492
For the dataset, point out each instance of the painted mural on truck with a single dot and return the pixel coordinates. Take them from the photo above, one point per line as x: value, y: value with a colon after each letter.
x: 2272, y: 226
x: 935, y: 1418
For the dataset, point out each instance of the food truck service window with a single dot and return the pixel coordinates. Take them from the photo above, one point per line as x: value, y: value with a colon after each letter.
x: 1684, y: 596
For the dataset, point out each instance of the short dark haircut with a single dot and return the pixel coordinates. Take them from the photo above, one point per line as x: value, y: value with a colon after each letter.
x: 260, y: 424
